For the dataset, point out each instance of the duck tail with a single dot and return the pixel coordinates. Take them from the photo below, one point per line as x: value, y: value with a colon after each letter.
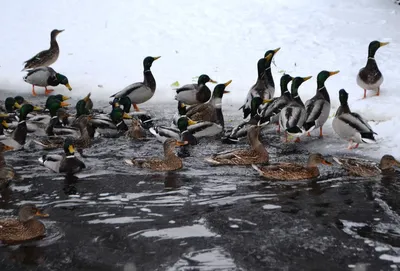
x: 309, y: 126
x: 337, y: 160
x: 257, y: 169
x: 295, y: 130
x: 129, y: 162
x: 211, y: 161
x: 368, y: 138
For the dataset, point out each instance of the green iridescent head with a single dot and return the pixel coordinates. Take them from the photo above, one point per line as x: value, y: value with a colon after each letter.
x: 323, y: 76
x: 343, y: 96
x: 63, y: 80
x: 374, y: 46
x: 184, y: 122
x: 24, y: 111
x: 148, y: 61
x: 297, y: 81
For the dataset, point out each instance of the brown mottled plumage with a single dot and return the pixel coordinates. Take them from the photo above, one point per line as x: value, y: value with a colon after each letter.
x: 363, y: 168
x: 292, y: 171
x: 25, y: 228
x: 46, y: 57
x: 257, y: 154
x: 7, y: 172
x: 136, y: 131
x: 170, y: 161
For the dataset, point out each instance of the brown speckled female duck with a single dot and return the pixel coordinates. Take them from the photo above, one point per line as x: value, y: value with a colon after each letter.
x: 293, y: 171
x: 7, y: 172
x: 363, y: 168
x: 46, y: 57
x: 170, y: 162
x: 25, y: 228
x: 257, y: 154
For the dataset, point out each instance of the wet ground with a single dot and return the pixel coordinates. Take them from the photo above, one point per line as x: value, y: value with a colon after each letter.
x: 116, y: 217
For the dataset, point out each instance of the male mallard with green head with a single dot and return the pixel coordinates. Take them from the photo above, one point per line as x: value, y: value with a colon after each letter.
x: 293, y: 171
x: 210, y: 111
x: 319, y: 106
x: 142, y: 91
x: 199, y: 93
x: 170, y: 162
x: 370, y: 77
x: 292, y: 117
x: 363, y: 168
x: 66, y: 163
x: 25, y: 228
x: 44, y: 77
x: 351, y: 126
x: 47, y: 57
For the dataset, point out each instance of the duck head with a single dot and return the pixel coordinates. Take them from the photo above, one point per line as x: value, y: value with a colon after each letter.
x: 316, y: 158
x: 285, y: 80
x: 388, y: 162
x: 148, y: 61
x: 204, y: 78
x: 28, y: 212
x: 297, y: 81
x: 374, y: 46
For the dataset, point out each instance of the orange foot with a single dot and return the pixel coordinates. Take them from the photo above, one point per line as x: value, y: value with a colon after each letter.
x: 33, y: 91
x: 48, y: 91
x: 297, y: 140
x: 308, y: 134
x: 365, y: 94
x: 136, y: 108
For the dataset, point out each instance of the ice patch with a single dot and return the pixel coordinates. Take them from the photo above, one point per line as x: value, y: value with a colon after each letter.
x: 179, y: 232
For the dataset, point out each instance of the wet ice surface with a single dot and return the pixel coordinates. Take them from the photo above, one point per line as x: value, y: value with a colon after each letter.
x: 116, y: 217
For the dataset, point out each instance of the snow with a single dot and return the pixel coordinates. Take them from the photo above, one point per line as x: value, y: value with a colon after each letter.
x: 104, y: 43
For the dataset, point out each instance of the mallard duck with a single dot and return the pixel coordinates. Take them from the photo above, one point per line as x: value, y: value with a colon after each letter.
x: 292, y: 171
x: 25, y: 228
x: 210, y: 111
x: 258, y: 88
x: 162, y: 133
x: 292, y: 117
x: 136, y: 131
x: 18, y: 137
x: 270, y: 113
x: 170, y: 161
x: 269, y: 91
x: 55, y: 126
x: 351, y: 126
x: 46, y: 57
x: 195, y: 93
x: 370, y: 77
x: 66, y: 163
x: 7, y: 172
x: 113, y: 124
x: 364, y: 168
x: 84, y: 140
x: 59, y: 98
x: 3, y: 124
x: 10, y: 105
x: 142, y: 91
x: 181, y: 112
x: 45, y: 76
x: 255, y: 155
x: 319, y: 106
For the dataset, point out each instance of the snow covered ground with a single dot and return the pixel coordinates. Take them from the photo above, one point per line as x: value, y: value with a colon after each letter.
x: 104, y: 44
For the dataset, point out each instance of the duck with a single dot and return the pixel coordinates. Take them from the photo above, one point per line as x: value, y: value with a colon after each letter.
x: 58, y: 97
x: 66, y: 163
x: 55, y: 126
x: 47, y: 57
x: 181, y: 112
x: 162, y: 133
x: 269, y: 91
x: 292, y: 116
x: 82, y: 142
x: 44, y: 77
x: 136, y: 131
x: 145, y: 118
x: 142, y: 91
x: 319, y: 106
x: 3, y: 125
x: 18, y: 137
x: 270, y: 113
x: 363, y: 168
x: 192, y: 94
x: 170, y: 162
x: 370, y: 77
x: 210, y: 111
x: 7, y: 172
x: 114, y: 126
x: 350, y: 125
x: 258, y: 88
x: 293, y: 171
x: 240, y: 131
x: 10, y: 105
x: 257, y: 154
x: 24, y: 228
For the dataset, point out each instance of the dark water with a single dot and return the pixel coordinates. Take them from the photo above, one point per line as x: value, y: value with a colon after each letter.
x: 117, y: 217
